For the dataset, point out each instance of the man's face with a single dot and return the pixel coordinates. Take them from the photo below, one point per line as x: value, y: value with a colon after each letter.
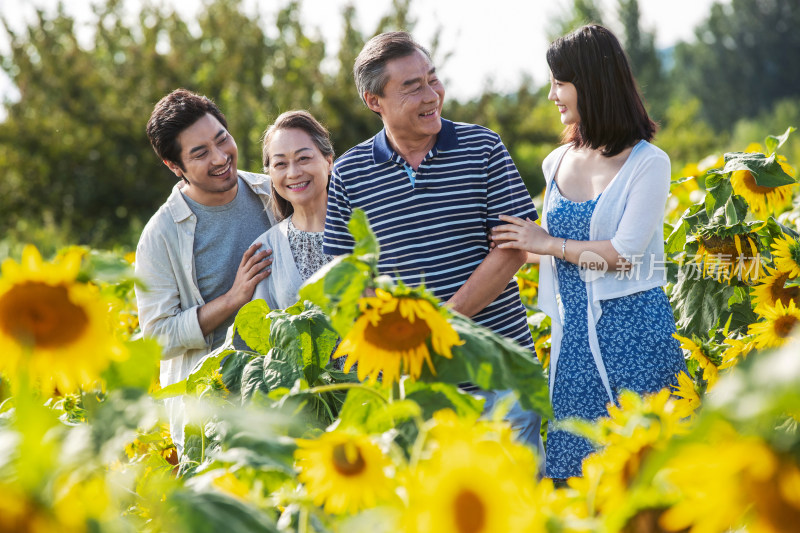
x: 411, y: 105
x: 209, y: 156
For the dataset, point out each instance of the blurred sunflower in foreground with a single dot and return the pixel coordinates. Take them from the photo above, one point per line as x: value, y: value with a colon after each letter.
x: 472, y: 478
x: 392, y: 335
x: 343, y: 472
x: 733, y: 481
x: 53, y: 329
x: 615, y: 484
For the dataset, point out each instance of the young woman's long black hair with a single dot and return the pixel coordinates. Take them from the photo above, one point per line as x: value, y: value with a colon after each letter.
x: 612, y: 113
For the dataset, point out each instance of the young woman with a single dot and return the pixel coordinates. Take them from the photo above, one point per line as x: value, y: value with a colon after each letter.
x: 601, y: 242
x: 298, y: 156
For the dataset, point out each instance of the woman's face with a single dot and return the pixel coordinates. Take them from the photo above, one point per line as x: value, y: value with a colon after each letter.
x: 299, y: 171
x: 565, y: 96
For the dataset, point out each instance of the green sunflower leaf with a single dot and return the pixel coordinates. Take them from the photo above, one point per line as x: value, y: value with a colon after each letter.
x: 766, y: 171
x: 366, y: 243
x: 252, y: 323
x: 773, y: 143
x: 492, y: 362
x: 699, y: 304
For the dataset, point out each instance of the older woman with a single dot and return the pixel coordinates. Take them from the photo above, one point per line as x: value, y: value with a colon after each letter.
x: 298, y: 156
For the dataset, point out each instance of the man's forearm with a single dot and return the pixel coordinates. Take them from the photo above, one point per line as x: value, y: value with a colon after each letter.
x: 488, y: 281
x: 212, y: 314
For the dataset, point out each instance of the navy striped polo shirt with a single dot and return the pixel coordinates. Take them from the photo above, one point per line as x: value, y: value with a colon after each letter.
x: 434, y: 230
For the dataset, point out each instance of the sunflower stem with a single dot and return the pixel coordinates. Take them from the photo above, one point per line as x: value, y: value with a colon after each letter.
x: 345, y: 386
x: 302, y: 520
x: 202, y: 443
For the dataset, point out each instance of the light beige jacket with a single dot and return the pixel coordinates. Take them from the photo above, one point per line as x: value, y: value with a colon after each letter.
x: 167, y: 294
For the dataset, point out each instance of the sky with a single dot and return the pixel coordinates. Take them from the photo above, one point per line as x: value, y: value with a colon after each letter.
x: 488, y: 46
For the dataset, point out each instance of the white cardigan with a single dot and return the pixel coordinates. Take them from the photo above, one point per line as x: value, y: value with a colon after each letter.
x: 629, y: 213
x: 280, y: 288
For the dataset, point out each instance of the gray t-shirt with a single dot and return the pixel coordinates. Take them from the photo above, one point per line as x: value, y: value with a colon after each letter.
x: 222, y: 235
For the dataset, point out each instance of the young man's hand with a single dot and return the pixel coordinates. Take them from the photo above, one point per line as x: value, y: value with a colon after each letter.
x: 254, y: 267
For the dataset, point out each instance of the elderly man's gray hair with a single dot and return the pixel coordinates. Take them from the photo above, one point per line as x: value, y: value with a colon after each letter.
x: 369, y: 70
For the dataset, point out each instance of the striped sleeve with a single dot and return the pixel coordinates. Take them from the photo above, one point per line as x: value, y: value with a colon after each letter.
x: 506, y: 192
x: 336, y: 239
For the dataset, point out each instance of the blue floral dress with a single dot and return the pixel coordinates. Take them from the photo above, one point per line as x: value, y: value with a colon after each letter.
x: 634, y: 334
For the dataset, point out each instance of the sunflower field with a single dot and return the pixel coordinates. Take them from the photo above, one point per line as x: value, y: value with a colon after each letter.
x: 277, y: 439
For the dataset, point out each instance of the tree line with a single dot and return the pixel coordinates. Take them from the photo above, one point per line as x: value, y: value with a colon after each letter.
x: 74, y: 155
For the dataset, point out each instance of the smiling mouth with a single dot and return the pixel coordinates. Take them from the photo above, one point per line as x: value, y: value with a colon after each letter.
x: 301, y: 185
x: 428, y: 114
x: 223, y: 170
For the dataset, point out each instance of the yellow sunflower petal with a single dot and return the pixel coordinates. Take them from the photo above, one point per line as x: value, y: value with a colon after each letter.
x: 53, y: 328
x: 391, y: 338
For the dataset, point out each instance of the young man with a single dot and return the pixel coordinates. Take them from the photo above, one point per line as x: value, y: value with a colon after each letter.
x: 194, y: 258
x: 431, y: 189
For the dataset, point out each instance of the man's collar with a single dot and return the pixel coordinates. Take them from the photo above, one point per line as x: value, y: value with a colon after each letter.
x: 446, y: 139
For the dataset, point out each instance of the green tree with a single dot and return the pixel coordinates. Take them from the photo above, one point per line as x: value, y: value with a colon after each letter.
x: 73, y: 151
x: 640, y: 46
x: 582, y: 12
x: 744, y: 60
x: 525, y: 120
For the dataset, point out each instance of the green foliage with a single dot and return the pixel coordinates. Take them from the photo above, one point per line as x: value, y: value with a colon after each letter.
x: 685, y: 136
x: 493, y: 362
x: 644, y: 58
x: 765, y: 169
x: 337, y: 286
x: 737, y: 67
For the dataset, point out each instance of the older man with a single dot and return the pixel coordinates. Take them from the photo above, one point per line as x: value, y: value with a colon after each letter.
x: 431, y: 189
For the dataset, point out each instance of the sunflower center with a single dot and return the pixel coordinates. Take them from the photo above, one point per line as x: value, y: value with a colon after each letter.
x: 469, y: 511
x: 41, y: 316
x: 749, y: 181
x: 794, y: 252
x: 784, y: 325
x: 783, y: 294
x: 723, y: 246
x: 395, y: 332
x: 347, y: 459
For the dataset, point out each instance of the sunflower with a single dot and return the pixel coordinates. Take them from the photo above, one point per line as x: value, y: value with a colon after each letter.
x: 736, y: 348
x: 698, y: 353
x: 468, y: 489
x: 495, y: 437
x: 53, y: 328
x: 779, y: 322
x: 344, y: 472
x: 20, y: 513
x: 771, y: 289
x: 614, y: 481
x: 392, y: 335
x: 528, y: 283
x: 724, y: 257
x: 227, y: 483
x: 542, y: 347
x: 786, y: 254
x: 688, y: 400
x: 762, y: 200
x: 714, y: 481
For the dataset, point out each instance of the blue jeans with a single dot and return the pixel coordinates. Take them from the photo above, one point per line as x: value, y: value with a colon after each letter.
x: 525, y: 424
